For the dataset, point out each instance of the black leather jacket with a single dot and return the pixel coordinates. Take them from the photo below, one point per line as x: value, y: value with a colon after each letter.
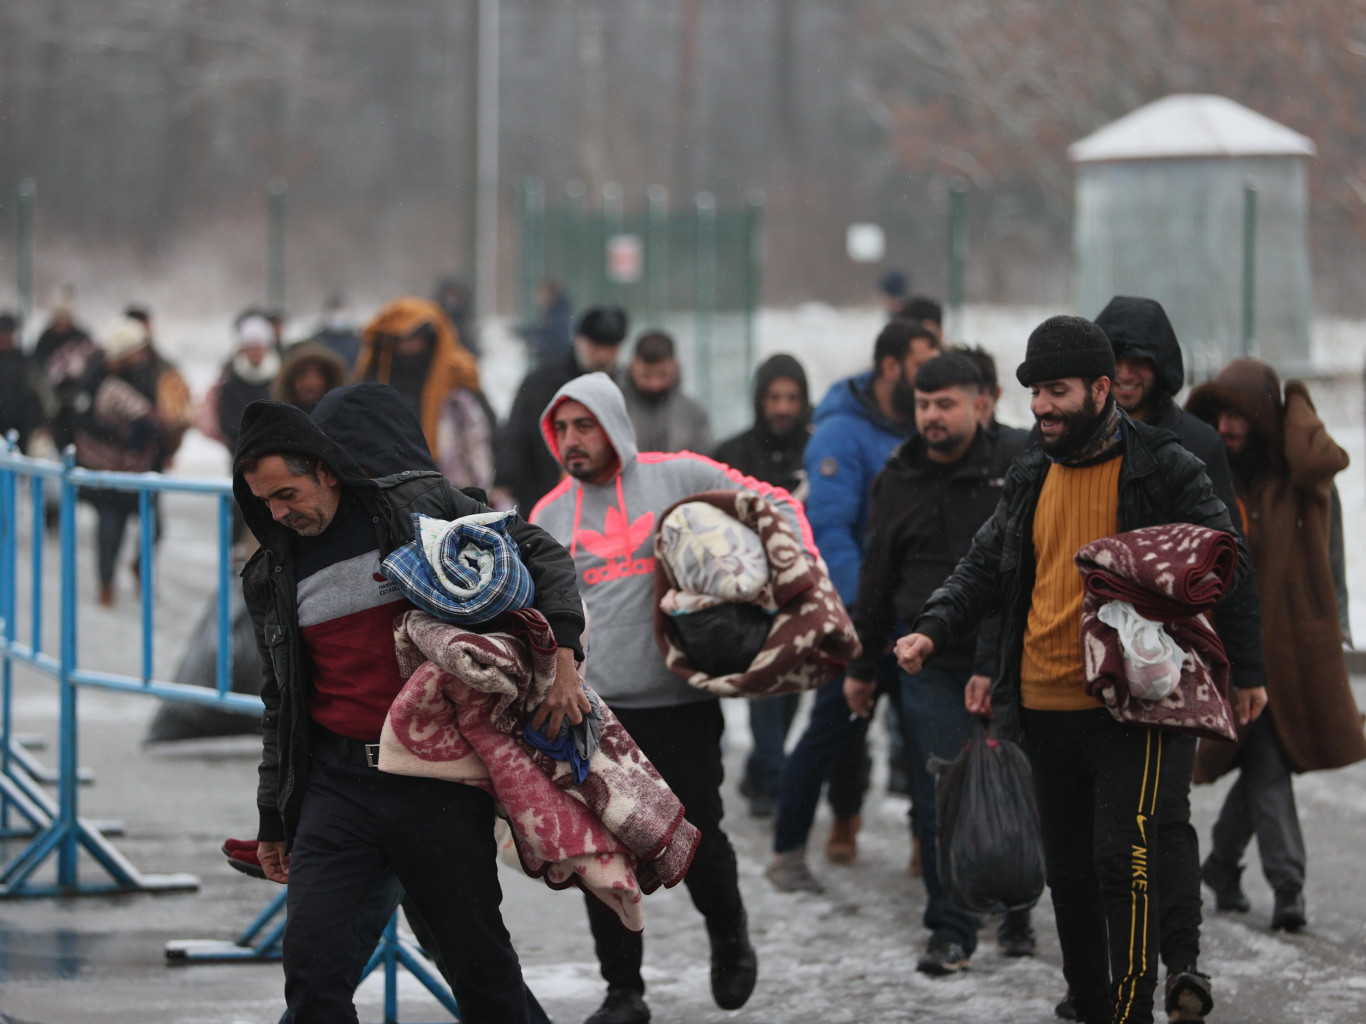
x: 1160, y: 482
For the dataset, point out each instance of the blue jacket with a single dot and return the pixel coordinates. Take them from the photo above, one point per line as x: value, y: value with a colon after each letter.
x: 851, y: 442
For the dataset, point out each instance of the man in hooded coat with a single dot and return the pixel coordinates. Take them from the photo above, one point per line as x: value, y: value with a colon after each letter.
x: 1149, y: 372
x: 605, y: 511
x: 1283, y: 467
x: 323, y: 613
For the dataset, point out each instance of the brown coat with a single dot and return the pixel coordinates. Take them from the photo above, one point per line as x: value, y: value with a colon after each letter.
x: 1287, y: 508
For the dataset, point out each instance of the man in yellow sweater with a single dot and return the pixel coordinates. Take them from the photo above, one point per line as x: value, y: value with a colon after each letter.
x: 1094, y: 473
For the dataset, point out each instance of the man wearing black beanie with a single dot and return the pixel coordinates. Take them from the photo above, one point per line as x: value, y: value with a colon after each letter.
x: 526, y: 469
x: 1095, y: 473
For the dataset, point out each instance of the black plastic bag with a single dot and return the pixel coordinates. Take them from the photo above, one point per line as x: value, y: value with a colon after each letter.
x: 990, y: 845
x: 183, y: 720
x: 723, y: 639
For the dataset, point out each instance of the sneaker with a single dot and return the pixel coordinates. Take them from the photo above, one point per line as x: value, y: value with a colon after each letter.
x: 1188, y: 995
x: 842, y: 846
x: 1225, y: 880
x: 1289, y: 912
x: 734, y: 965
x: 1015, y: 936
x: 788, y: 872
x: 944, y: 956
x: 622, y: 1006
x: 1065, y: 1010
x: 242, y: 856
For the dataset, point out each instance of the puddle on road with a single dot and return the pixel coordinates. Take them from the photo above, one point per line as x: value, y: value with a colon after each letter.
x: 63, y: 953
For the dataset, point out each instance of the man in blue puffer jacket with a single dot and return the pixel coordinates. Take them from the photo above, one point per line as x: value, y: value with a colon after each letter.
x: 857, y: 425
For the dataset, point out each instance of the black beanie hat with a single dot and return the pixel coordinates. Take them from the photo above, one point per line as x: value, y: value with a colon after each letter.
x: 604, y: 325
x: 1066, y: 346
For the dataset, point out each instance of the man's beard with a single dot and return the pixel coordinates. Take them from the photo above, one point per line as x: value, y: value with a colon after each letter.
x: 946, y: 443
x: 903, y: 399
x: 1077, y: 428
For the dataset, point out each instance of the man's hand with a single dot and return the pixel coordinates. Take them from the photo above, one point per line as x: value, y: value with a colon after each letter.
x: 912, y: 650
x: 1248, y: 704
x: 977, y: 695
x: 858, y: 693
x: 274, y: 860
x: 565, y: 697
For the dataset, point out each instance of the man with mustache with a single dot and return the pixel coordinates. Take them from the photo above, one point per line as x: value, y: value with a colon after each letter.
x: 857, y: 425
x: 1095, y: 473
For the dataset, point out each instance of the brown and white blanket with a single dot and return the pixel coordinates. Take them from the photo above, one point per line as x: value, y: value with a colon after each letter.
x: 619, y: 835
x: 1172, y: 574
x: 811, y: 639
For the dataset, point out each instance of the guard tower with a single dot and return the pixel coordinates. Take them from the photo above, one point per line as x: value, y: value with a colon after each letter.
x: 1200, y: 203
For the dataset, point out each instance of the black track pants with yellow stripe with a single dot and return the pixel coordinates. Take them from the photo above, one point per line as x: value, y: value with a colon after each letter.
x: 1099, y: 783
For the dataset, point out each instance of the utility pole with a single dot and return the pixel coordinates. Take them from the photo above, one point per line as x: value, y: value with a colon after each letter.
x: 486, y: 143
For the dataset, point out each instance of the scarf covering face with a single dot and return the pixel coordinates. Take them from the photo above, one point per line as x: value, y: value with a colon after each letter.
x: 1173, y: 574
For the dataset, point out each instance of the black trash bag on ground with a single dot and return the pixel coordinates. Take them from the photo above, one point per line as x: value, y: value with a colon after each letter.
x: 723, y: 639
x: 991, y: 856
x: 184, y: 720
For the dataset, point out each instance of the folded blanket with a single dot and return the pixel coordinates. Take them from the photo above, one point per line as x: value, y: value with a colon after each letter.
x: 1173, y: 574
x: 466, y: 571
x: 460, y: 716
x: 811, y: 638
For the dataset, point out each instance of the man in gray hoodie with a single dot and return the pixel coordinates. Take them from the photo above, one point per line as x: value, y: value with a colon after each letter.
x: 605, y: 512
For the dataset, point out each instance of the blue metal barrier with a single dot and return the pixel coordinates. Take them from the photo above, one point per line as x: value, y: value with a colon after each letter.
x: 55, y: 829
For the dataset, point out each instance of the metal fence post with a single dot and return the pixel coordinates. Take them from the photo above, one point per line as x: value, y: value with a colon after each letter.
x: 704, y: 280
x: 754, y: 261
x: 1249, y: 266
x: 611, y: 227
x: 657, y: 252
x: 67, y: 782
x: 278, y: 194
x: 24, y: 246
x: 958, y: 246
x: 533, y: 245
x: 575, y: 257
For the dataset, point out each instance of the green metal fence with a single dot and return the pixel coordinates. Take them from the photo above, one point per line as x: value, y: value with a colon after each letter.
x: 692, y: 269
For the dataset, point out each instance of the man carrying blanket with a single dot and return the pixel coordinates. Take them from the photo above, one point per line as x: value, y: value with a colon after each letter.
x: 605, y: 512
x: 330, y: 823
x: 1095, y: 473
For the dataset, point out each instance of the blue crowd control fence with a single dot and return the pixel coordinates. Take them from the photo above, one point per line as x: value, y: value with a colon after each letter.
x: 50, y: 828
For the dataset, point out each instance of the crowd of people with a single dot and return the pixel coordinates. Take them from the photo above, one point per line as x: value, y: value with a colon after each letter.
x: 948, y: 537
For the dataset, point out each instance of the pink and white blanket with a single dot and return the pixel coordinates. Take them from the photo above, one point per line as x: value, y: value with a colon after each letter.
x: 618, y: 836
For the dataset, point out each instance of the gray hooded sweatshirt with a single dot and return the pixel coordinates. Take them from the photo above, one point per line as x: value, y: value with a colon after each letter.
x: 609, y: 530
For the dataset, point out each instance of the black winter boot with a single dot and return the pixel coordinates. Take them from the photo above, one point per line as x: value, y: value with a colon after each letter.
x: 1225, y: 880
x: 622, y: 1006
x: 734, y: 965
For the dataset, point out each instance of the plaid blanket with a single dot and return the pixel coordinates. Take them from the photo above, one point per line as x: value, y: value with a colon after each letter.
x: 1173, y: 574
x: 811, y: 639
x: 619, y: 835
x: 466, y: 571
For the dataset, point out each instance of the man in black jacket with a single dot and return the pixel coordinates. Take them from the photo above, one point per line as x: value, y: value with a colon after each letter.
x: 1096, y: 472
x: 771, y: 451
x: 323, y: 614
x: 1148, y: 375
x: 526, y: 469
x: 928, y: 501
